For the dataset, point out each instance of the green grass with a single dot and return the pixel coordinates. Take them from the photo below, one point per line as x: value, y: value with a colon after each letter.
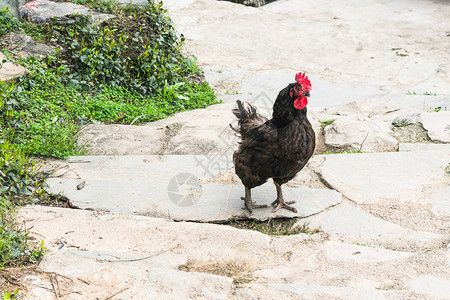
x: 7, y: 22
x: 131, y: 69
x: 18, y: 185
x: 325, y: 123
x: 426, y: 93
x: 275, y: 226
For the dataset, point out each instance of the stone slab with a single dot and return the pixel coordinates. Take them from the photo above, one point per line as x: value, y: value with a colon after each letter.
x: 9, y: 70
x: 386, y: 177
x: 438, y: 288
x: 360, y: 133
x: 356, y: 226
x: 440, y: 203
x: 75, y: 263
x: 204, y: 203
x: 317, y: 291
x: 39, y: 11
x: 24, y: 45
x: 336, y: 251
x: 408, y: 147
x: 367, y: 57
x: 130, y: 275
x: 437, y: 124
x: 265, y: 260
x: 201, y: 131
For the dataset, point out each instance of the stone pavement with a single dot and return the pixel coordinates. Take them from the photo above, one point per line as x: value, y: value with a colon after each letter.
x: 384, y: 216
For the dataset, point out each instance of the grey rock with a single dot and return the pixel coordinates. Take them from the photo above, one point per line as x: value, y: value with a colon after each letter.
x: 408, y: 147
x: 411, y: 133
x: 385, y: 177
x: 364, y: 107
x: 356, y: 133
x: 24, y: 45
x: 438, y: 125
x: 12, y: 5
x: 40, y: 10
x: 169, y: 187
x: 406, y: 120
x: 356, y: 226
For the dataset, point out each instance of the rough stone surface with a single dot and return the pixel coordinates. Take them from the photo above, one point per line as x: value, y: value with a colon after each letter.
x: 406, y: 120
x: 408, y: 147
x: 169, y: 187
x: 131, y: 275
x: 441, y: 202
x: 432, y: 286
x: 386, y: 177
x: 9, y: 70
x: 368, y: 59
x: 40, y: 10
x: 438, y: 125
x: 356, y: 226
x: 24, y: 45
x: 202, y: 131
x: 265, y: 266
x: 412, y: 133
x: 356, y: 133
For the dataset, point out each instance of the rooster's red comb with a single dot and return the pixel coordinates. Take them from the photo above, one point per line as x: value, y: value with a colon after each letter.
x: 302, y: 79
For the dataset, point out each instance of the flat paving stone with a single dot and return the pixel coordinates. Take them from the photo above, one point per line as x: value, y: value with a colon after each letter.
x: 408, y: 147
x: 356, y: 226
x: 437, y: 124
x: 440, y: 203
x: 360, y: 133
x: 170, y: 187
x: 386, y: 177
x: 309, y: 262
x: 75, y: 263
x: 439, y: 288
x: 102, y: 274
x: 336, y: 251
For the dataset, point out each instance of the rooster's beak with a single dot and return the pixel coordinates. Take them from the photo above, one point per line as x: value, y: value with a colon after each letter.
x: 307, y: 94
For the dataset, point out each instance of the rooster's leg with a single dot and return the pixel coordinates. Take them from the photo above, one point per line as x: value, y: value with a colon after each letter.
x: 249, y: 203
x: 280, y: 203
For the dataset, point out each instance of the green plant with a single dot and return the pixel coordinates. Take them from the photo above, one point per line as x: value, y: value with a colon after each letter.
x: 402, y: 124
x: 11, y: 295
x: 7, y: 21
x: 325, y: 123
x: 127, y: 69
x: 426, y: 93
x: 19, y: 184
x: 275, y: 226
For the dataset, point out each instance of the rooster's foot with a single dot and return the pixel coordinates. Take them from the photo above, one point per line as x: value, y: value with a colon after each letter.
x: 285, y: 205
x: 250, y: 205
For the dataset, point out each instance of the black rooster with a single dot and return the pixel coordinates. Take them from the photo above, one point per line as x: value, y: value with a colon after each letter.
x: 277, y: 148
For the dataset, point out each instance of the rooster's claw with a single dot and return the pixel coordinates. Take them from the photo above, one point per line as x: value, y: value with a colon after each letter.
x: 284, y: 205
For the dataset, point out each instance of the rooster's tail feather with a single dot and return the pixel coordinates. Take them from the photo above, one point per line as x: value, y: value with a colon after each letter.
x: 247, y: 117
